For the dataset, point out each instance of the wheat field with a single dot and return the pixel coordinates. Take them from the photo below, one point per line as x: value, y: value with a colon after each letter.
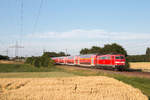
x: 6, y: 62
x: 9, y: 62
x: 74, y: 88
x: 140, y: 65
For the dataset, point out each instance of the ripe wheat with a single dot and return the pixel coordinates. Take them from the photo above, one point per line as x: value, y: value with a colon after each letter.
x: 75, y: 88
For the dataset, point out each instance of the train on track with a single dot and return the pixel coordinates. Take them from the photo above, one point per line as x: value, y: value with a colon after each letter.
x: 108, y: 61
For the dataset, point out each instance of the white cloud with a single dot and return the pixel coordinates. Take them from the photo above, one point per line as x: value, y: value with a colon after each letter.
x: 91, y: 34
x: 75, y: 40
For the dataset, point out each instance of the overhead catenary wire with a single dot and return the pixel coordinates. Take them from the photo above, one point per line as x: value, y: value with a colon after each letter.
x: 37, y: 17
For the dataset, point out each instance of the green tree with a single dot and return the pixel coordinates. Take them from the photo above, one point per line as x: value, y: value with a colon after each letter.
x: 148, y: 51
x: 30, y: 60
x: 54, y: 54
x: 114, y: 48
x: 46, y: 61
x: 43, y: 61
x: 96, y: 49
x: 107, y: 49
x: 4, y: 57
x: 61, y: 54
x: 85, y: 51
x: 37, y: 62
x: 50, y: 54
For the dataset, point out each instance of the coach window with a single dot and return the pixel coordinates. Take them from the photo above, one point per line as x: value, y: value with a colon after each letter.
x: 109, y: 57
x: 104, y: 57
x: 101, y: 57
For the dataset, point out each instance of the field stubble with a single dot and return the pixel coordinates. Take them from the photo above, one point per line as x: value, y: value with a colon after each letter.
x: 145, y: 66
x: 76, y: 88
x: 9, y: 62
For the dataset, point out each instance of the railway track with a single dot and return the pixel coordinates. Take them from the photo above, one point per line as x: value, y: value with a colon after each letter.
x: 134, y: 73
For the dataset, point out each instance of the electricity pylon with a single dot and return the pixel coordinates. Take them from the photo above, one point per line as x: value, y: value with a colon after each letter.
x: 16, y: 46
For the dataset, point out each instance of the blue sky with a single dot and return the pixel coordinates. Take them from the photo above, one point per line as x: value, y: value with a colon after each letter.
x: 74, y: 24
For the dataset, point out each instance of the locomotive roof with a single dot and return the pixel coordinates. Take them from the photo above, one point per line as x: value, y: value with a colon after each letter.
x: 100, y: 54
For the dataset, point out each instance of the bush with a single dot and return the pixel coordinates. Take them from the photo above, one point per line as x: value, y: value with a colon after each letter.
x: 28, y: 60
x: 44, y: 61
x: 37, y: 62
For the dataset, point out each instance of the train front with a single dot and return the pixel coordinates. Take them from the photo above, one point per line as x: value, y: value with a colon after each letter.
x: 120, y: 61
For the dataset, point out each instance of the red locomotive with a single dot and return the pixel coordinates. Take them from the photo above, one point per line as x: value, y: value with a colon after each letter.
x: 113, y: 61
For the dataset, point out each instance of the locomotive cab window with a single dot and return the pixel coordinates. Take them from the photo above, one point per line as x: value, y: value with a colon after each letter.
x: 119, y: 57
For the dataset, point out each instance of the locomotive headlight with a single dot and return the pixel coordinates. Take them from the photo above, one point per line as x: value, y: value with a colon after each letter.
x: 120, y: 62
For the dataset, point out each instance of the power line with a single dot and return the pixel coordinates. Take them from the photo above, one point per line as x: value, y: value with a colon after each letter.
x: 21, y: 19
x: 38, y: 15
x: 6, y: 51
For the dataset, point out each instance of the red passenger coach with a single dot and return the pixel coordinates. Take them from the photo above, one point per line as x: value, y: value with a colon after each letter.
x: 70, y: 60
x: 55, y: 59
x: 115, y: 61
x: 87, y: 60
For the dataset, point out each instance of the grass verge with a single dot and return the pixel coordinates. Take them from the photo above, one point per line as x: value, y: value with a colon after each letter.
x: 28, y: 71
x: 25, y: 68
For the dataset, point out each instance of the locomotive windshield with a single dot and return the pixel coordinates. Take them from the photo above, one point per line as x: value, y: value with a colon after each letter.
x: 119, y: 57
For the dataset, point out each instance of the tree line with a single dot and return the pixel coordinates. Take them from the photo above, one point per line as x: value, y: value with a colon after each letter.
x: 140, y: 58
x: 107, y: 49
x: 44, y: 60
x: 4, y: 57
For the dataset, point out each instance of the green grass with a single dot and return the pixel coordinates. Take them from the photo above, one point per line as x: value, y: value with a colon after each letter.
x: 29, y: 71
x: 25, y: 68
